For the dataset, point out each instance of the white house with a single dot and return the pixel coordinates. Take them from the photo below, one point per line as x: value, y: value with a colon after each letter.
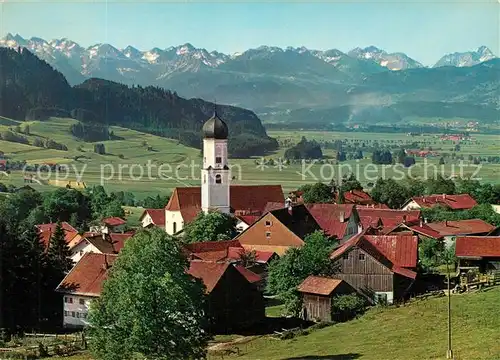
x: 153, y: 217
x: 82, y: 285
x: 99, y: 244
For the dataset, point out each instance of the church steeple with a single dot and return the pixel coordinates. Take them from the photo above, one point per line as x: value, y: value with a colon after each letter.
x: 215, y: 173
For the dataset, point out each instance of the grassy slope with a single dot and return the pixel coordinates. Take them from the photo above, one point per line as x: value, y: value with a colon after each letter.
x: 417, y: 331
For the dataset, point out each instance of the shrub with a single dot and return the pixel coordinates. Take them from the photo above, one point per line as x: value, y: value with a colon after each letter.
x: 346, y: 307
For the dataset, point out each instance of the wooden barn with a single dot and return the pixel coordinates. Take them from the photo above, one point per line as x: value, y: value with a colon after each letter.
x: 317, y: 296
x: 481, y: 253
x: 234, y: 302
x: 379, y: 267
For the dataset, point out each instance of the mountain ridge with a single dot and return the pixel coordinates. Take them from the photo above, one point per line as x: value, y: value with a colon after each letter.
x: 273, y: 79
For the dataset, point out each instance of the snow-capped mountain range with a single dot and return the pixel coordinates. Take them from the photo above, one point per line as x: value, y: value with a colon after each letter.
x: 469, y: 58
x: 130, y: 65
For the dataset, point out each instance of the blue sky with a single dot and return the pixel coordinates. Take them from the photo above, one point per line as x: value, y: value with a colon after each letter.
x: 424, y: 30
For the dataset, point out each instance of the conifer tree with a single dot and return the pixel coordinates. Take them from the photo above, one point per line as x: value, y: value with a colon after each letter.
x: 59, y: 254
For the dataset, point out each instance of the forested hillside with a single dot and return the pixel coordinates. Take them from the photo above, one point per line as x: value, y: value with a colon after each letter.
x: 31, y: 89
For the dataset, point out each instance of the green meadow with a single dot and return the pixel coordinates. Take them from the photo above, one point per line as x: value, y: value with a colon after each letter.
x: 128, y: 165
x: 415, y: 331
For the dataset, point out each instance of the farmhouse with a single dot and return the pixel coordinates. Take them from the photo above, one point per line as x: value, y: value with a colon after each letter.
x: 358, y: 197
x: 231, y: 251
x: 98, y: 243
x: 216, y: 191
x: 481, y: 253
x: 452, y: 202
x: 339, y: 220
x: 421, y: 230
x: 46, y: 231
x: 110, y: 225
x: 153, y: 217
x: 384, y: 219
x: 317, y: 296
x: 380, y: 267
x: 234, y: 302
x: 451, y: 229
x: 278, y: 230
x: 83, y: 284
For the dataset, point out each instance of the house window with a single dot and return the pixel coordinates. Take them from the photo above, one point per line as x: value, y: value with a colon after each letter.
x: 346, y: 256
x: 73, y: 314
x: 66, y: 313
x: 82, y: 302
x: 174, y: 227
x: 268, y: 223
x: 77, y: 315
x: 362, y: 257
x: 218, y: 160
x: 218, y: 179
x: 68, y: 299
x: 268, y: 234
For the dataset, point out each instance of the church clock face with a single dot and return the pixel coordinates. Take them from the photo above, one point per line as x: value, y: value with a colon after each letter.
x: 219, y: 149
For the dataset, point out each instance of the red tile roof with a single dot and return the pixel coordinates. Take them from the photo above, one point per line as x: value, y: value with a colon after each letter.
x: 119, y: 240
x: 243, y: 198
x: 328, y: 217
x: 421, y: 229
x: 373, y: 206
x: 208, y: 272
x: 462, y: 227
x: 477, y: 246
x: 211, y: 273
x: 358, y: 197
x: 114, y: 221
x: 234, y: 253
x: 222, y: 251
x: 270, y: 206
x: 387, y: 217
x: 47, y: 230
x: 319, y: 285
x: 157, y: 216
x: 88, y: 275
x: 248, y: 274
x: 425, y: 230
x: 371, y: 248
x: 454, y: 202
x: 401, y: 250
x: 248, y: 219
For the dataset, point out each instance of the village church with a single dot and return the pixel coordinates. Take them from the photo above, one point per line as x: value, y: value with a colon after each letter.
x: 216, y: 192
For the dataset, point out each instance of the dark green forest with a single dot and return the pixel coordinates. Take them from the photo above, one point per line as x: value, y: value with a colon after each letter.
x: 30, y: 89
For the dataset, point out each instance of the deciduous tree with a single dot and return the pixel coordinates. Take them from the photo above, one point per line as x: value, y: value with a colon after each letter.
x: 149, y: 304
x: 286, y: 273
x: 212, y: 226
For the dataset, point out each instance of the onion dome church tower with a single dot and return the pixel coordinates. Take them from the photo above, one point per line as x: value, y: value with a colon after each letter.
x: 215, y: 173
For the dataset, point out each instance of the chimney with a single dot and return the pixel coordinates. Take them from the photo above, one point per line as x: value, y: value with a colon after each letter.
x: 404, y: 219
x: 446, y: 223
x: 342, y: 217
x: 105, y: 266
x: 444, y: 196
x: 421, y: 222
